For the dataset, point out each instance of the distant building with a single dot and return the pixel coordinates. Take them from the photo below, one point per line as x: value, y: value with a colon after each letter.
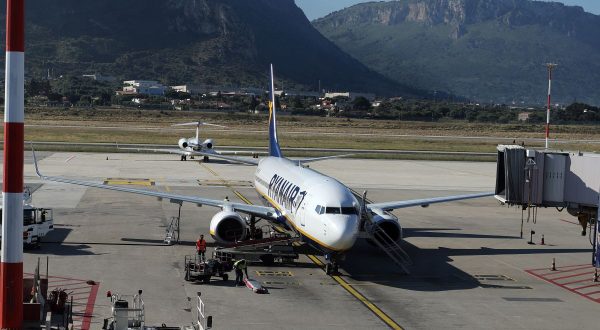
x: 191, y: 89
x: 293, y: 93
x: 350, y: 95
x: 148, y: 87
x: 524, y: 116
x: 99, y: 77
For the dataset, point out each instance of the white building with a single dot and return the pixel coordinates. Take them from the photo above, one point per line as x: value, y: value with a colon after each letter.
x: 99, y: 77
x: 350, y: 95
x: 148, y: 87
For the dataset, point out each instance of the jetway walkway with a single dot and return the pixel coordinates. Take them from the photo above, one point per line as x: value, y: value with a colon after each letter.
x: 569, y: 181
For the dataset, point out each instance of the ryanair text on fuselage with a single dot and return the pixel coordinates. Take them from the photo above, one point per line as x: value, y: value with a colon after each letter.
x: 286, y: 193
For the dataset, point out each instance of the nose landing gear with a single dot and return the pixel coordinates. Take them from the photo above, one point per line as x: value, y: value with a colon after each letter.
x: 331, y: 267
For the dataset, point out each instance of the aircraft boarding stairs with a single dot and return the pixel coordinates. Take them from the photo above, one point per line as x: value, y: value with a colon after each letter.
x: 172, y: 234
x: 380, y: 238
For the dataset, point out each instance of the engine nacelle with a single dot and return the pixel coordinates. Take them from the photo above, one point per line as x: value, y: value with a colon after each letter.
x: 385, y: 227
x: 208, y: 143
x: 183, y: 143
x: 228, y: 227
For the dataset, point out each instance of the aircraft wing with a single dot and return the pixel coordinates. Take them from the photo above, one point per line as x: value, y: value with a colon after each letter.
x: 161, y: 150
x: 264, y: 212
x: 197, y: 153
x: 215, y: 154
x: 388, y: 206
x: 316, y: 159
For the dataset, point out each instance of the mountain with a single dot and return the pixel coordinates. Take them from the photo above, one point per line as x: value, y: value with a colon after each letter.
x: 487, y: 50
x: 223, y: 42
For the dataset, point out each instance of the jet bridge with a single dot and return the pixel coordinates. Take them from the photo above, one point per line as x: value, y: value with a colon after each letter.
x: 540, y: 178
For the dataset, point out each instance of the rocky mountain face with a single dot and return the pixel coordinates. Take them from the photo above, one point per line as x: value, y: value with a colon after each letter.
x: 224, y: 42
x: 483, y: 49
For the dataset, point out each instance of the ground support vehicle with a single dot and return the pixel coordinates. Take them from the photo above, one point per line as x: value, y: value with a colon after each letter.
x: 197, y: 269
x: 37, y: 223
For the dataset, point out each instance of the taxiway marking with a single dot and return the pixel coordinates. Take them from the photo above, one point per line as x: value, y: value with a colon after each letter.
x: 370, y: 305
x: 343, y: 283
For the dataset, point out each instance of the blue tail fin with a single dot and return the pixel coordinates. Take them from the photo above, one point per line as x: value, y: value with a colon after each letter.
x: 274, y: 150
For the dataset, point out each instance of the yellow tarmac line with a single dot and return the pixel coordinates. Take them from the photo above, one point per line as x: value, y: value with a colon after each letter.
x: 347, y: 286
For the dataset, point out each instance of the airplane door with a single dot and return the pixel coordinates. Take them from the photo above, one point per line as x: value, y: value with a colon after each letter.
x: 302, y: 214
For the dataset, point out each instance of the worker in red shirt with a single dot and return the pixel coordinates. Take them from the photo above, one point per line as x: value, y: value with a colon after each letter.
x: 201, y: 247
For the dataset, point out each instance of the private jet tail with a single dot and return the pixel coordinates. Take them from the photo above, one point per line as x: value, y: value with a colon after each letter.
x: 198, y: 124
x: 274, y: 150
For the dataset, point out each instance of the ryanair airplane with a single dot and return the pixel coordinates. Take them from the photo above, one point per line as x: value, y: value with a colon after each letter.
x: 321, y: 210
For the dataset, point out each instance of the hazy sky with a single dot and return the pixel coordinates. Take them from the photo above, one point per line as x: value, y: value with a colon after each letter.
x: 319, y: 8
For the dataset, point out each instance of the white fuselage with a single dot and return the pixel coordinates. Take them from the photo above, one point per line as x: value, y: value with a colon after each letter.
x: 320, y: 208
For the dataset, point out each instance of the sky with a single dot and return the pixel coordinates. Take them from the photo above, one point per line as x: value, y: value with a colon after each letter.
x: 319, y: 8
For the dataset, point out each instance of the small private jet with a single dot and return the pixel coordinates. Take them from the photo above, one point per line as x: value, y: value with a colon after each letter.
x: 190, y: 147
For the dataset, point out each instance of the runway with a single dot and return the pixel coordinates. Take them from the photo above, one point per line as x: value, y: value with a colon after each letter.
x: 471, y: 271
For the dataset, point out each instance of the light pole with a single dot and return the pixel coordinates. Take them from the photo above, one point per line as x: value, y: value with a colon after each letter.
x: 550, y: 67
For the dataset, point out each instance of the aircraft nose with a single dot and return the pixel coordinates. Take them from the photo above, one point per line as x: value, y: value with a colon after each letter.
x: 344, y: 230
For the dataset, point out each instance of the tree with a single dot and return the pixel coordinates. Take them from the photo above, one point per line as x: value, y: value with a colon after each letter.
x: 361, y: 103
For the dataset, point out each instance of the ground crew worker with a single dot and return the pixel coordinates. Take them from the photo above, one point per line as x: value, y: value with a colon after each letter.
x: 241, y: 267
x: 201, y: 247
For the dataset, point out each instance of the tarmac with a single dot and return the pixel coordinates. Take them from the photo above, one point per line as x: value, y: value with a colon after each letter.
x: 471, y: 268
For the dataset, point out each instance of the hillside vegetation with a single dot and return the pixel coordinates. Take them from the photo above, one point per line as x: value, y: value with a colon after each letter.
x: 486, y: 50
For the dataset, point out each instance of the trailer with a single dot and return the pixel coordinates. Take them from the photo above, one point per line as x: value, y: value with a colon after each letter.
x: 197, y: 269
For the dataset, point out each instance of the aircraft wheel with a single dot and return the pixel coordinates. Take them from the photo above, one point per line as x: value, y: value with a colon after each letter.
x: 267, y: 259
x: 328, y: 268
x: 206, y: 159
x: 225, y: 277
x: 187, y: 273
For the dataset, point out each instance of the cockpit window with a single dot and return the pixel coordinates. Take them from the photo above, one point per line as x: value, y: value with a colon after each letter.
x: 342, y: 210
x: 349, y: 210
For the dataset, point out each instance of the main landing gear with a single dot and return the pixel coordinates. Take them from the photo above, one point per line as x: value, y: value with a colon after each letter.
x: 183, y: 158
x: 206, y: 159
x: 331, y: 267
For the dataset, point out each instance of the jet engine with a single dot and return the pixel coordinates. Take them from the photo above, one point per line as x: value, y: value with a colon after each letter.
x: 208, y: 143
x: 228, y: 227
x: 183, y: 143
x: 384, y: 227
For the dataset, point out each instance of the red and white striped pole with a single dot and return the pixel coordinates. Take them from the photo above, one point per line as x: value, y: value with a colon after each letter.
x: 550, y: 67
x: 11, y: 267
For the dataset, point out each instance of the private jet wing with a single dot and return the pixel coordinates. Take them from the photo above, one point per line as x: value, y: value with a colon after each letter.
x: 318, y: 159
x: 197, y: 153
x: 264, y: 212
x: 389, y: 206
x: 161, y: 150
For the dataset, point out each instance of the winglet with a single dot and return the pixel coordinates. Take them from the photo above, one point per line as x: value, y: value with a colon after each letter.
x: 274, y: 150
x: 37, y: 170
